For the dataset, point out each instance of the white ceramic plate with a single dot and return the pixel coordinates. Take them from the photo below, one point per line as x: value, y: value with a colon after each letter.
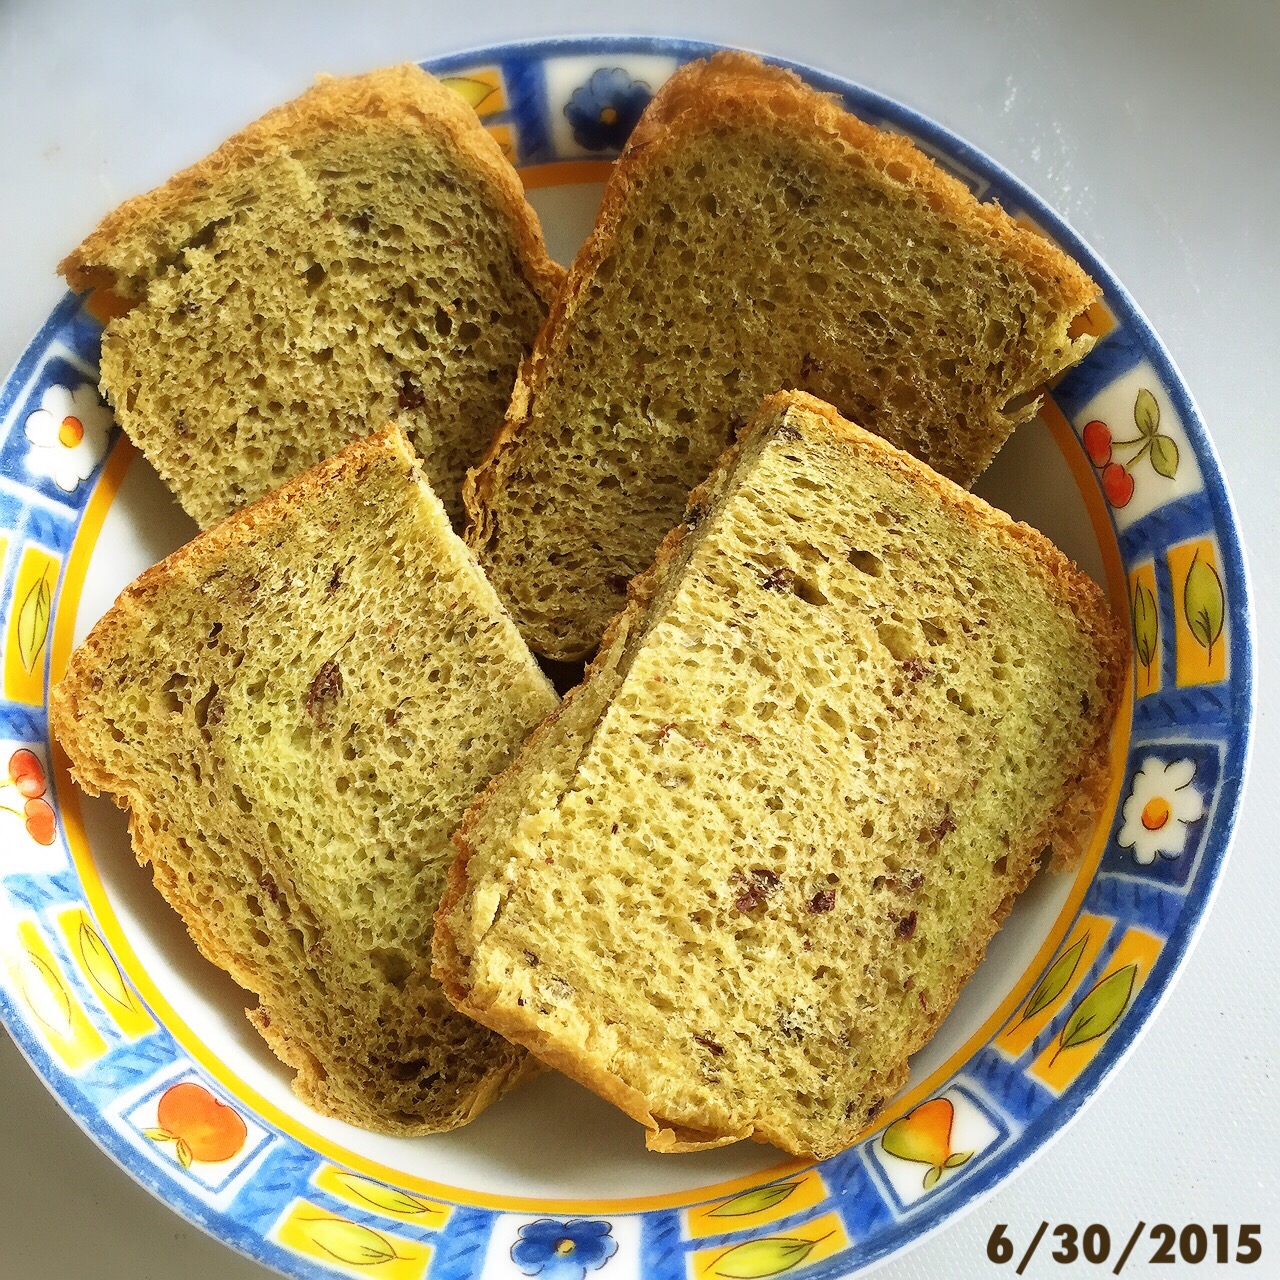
x: 147, y: 1046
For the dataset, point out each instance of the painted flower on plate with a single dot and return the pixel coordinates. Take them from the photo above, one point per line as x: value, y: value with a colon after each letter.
x: 605, y: 109
x: 68, y: 435
x: 1160, y: 808
x: 560, y: 1250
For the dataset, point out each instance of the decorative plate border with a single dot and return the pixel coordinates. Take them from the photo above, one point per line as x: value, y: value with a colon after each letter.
x: 560, y: 109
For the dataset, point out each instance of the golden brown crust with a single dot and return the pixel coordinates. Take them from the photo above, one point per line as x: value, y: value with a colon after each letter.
x: 734, y: 83
x: 342, y: 468
x: 1075, y: 811
x: 1083, y: 796
x: 739, y: 87
x: 641, y: 592
x: 109, y: 637
x: 511, y: 1021
x: 403, y: 98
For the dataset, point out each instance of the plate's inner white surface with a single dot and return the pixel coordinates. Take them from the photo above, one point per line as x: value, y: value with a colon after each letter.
x: 549, y: 1138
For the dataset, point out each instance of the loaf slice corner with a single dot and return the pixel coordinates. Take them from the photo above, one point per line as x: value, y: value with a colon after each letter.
x: 296, y: 708
x: 746, y: 869
x: 362, y: 253
x: 755, y: 237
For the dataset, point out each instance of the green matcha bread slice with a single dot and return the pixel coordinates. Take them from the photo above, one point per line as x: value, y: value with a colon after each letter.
x: 754, y: 237
x: 745, y: 869
x: 360, y: 254
x: 296, y: 708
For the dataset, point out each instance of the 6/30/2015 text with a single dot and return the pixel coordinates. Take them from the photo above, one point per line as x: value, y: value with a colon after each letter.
x: 1194, y: 1243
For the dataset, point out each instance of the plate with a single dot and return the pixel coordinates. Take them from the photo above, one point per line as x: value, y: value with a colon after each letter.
x: 146, y: 1045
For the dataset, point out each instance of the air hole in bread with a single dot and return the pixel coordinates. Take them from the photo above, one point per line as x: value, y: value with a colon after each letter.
x: 898, y: 639
x: 867, y: 562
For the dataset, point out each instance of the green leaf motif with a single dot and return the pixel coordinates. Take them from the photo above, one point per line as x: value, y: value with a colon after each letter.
x: 760, y: 1258
x: 387, y: 1199
x: 349, y: 1242
x: 33, y: 623
x: 1100, y: 1010
x: 184, y: 1153
x: 45, y: 995
x: 1164, y: 456
x: 1202, y: 603
x: 931, y: 1178
x: 1146, y: 625
x: 472, y: 92
x: 101, y: 966
x: 1054, y: 982
x: 1146, y: 413
x: 756, y: 1201
x: 957, y: 1158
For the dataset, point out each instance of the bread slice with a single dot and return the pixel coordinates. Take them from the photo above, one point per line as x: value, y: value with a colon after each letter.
x: 360, y: 254
x: 296, y: 708
x: 754, y: 237
x: 746, y: 868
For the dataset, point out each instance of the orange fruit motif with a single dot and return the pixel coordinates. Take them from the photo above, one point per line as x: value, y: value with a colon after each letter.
x: 1097, y: 442
x: 924, y: 1137
x: 40, y: 819
x: 203, y: 1128
x: 26, y: 777
x: 26, y: 773
x: 1117, y: 484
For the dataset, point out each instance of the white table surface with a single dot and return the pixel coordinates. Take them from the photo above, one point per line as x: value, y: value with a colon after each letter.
x: 1152, y: 125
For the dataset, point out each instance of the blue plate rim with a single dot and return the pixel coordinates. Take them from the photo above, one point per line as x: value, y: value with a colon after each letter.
x: 1045, y: 1129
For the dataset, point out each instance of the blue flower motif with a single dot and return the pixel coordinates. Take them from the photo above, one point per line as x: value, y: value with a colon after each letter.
x: 605, y: 109
x: 559, y: 1250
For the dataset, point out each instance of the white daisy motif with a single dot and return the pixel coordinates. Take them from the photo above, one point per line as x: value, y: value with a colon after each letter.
x: 1160, y: 808
x: 68, y: 435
